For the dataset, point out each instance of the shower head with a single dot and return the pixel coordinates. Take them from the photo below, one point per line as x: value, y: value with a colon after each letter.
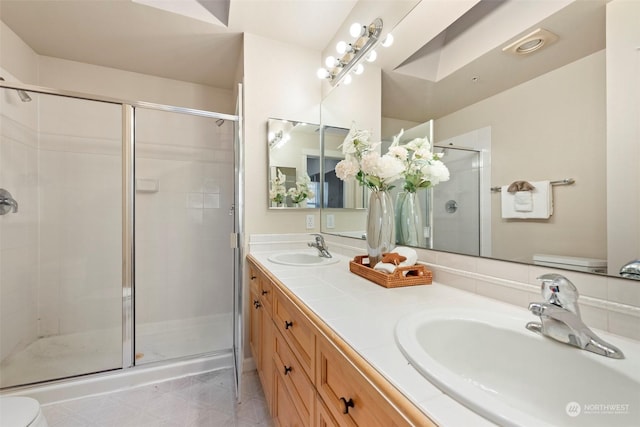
x: 220, y: 122
x: 24, y: 96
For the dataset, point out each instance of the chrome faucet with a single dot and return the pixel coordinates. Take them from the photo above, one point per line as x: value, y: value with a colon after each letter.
x: 320, y: 245
x: 631, y: 270
x: 560, y: 317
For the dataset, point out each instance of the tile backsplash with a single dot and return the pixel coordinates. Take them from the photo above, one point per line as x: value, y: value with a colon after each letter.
x: 606, y: 303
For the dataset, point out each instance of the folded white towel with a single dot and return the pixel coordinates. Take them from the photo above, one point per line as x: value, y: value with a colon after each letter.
x: 523, y: 201
x: 542, y: 200
x: 409, y: 253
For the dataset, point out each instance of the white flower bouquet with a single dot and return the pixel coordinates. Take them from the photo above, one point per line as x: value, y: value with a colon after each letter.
x: 277, y: 191
x: 421, y: 167
x: 364, y: 163
x: 301, y: 192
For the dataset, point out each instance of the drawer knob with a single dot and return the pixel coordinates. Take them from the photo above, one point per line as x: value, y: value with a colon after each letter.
x: 256, y: 303
x: 253, y: 277
x: 346, y: 404
x: 288, y: 324
x: 265, y: 292
x: 287, y: 369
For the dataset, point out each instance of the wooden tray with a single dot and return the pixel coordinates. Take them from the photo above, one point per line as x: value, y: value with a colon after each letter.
x: 416, y: 274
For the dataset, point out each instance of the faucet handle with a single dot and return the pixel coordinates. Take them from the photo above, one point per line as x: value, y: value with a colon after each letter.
x: 559, y: 290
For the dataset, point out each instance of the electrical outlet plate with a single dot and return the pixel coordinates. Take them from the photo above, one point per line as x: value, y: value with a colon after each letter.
x: 310, y: 222
x: 331, y: 221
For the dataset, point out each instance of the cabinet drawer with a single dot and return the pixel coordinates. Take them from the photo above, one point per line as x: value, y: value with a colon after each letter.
x: 295, y: 379
x: 323, y: 416
x: 254, y: 279
x: 255, y: 328
x: 297, y: 332
x: 350, y: 398
x: 266, y: 293
x: 284, y: 413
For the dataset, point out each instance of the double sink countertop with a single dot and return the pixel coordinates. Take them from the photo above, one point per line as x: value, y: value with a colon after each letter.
x: 365, y: 314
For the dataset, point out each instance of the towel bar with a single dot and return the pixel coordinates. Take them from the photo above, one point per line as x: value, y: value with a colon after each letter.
x: 566, y: 181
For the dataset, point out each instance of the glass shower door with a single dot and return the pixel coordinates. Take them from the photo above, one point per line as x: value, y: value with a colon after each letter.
x: 61, y: 250
x: 184, y: 180
x: 456, y: 204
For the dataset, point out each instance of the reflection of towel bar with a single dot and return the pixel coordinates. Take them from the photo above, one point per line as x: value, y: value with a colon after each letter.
x: 566, y: 181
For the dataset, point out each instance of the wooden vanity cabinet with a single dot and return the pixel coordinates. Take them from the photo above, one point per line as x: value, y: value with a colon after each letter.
x: 308, y: 374
x: 348, y: 396
x: 323, y: 416
x: 261, y: 328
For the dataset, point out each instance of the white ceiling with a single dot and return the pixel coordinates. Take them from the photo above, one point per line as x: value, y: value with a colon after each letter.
x: 135, y: 37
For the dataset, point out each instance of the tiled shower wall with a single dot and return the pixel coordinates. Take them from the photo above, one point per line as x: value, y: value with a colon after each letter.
x: 80, y: 287
x: 19, y: 231
x: 183, y: 256
x: 61, y: 254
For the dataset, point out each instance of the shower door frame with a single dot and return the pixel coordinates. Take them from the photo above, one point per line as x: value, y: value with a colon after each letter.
x: 128, y: 215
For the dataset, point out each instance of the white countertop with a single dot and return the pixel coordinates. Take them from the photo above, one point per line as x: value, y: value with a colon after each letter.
x: 365, y: 314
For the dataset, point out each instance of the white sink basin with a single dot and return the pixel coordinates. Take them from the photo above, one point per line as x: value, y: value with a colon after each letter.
x: 490, y: 363
x: 308, y: 259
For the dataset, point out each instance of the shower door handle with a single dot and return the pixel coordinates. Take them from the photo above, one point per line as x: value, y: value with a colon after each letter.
x: 7, y: 202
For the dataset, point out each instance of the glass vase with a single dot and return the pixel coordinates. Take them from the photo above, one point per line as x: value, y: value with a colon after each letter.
x: 380, y: 226
x: 409, y: 222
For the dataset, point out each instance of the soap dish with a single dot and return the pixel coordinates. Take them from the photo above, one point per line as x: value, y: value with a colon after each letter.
x: 416, y: 274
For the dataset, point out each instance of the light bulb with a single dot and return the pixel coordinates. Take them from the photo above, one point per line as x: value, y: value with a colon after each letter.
x: 359, y: 69
x: 341, y: 47
x: 330, y: 62
x: 347, y: 79
x: 322, y: 73
x: 355, y: 30
x: 372, y: 56
x: 388, y: 40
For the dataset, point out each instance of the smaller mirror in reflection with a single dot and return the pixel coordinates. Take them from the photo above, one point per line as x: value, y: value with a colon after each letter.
x: 338, y: 193
x: 294, y: 164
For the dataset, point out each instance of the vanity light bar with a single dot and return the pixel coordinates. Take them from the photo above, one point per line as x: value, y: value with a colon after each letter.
x: 353, y: 53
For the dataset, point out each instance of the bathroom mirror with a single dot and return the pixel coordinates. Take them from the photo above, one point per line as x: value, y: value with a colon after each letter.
x: 535, y: 117
x: 294, y: 164
x: 337, y: 193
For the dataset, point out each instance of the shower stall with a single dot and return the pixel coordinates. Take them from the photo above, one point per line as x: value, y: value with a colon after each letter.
x: 117, y: 252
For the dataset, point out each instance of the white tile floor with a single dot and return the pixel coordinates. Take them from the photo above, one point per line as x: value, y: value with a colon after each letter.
x: 205, y: 400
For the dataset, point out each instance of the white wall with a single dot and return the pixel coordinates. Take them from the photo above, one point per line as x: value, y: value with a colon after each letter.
x: 279, y: 82
x: 529, y: 141
x: 623, y: 133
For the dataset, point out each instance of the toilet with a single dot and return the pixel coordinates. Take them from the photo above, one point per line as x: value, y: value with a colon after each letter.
x: 590, y: 265
x: 21, y: 412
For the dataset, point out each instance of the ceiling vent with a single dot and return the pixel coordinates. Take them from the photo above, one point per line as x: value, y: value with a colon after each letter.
x: 531, y: 42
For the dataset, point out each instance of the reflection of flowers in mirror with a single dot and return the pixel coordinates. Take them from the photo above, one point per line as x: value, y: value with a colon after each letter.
x: 422, y: 167
x: 277, y: 191
x: 364, y: 163
x: 302, y: 190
